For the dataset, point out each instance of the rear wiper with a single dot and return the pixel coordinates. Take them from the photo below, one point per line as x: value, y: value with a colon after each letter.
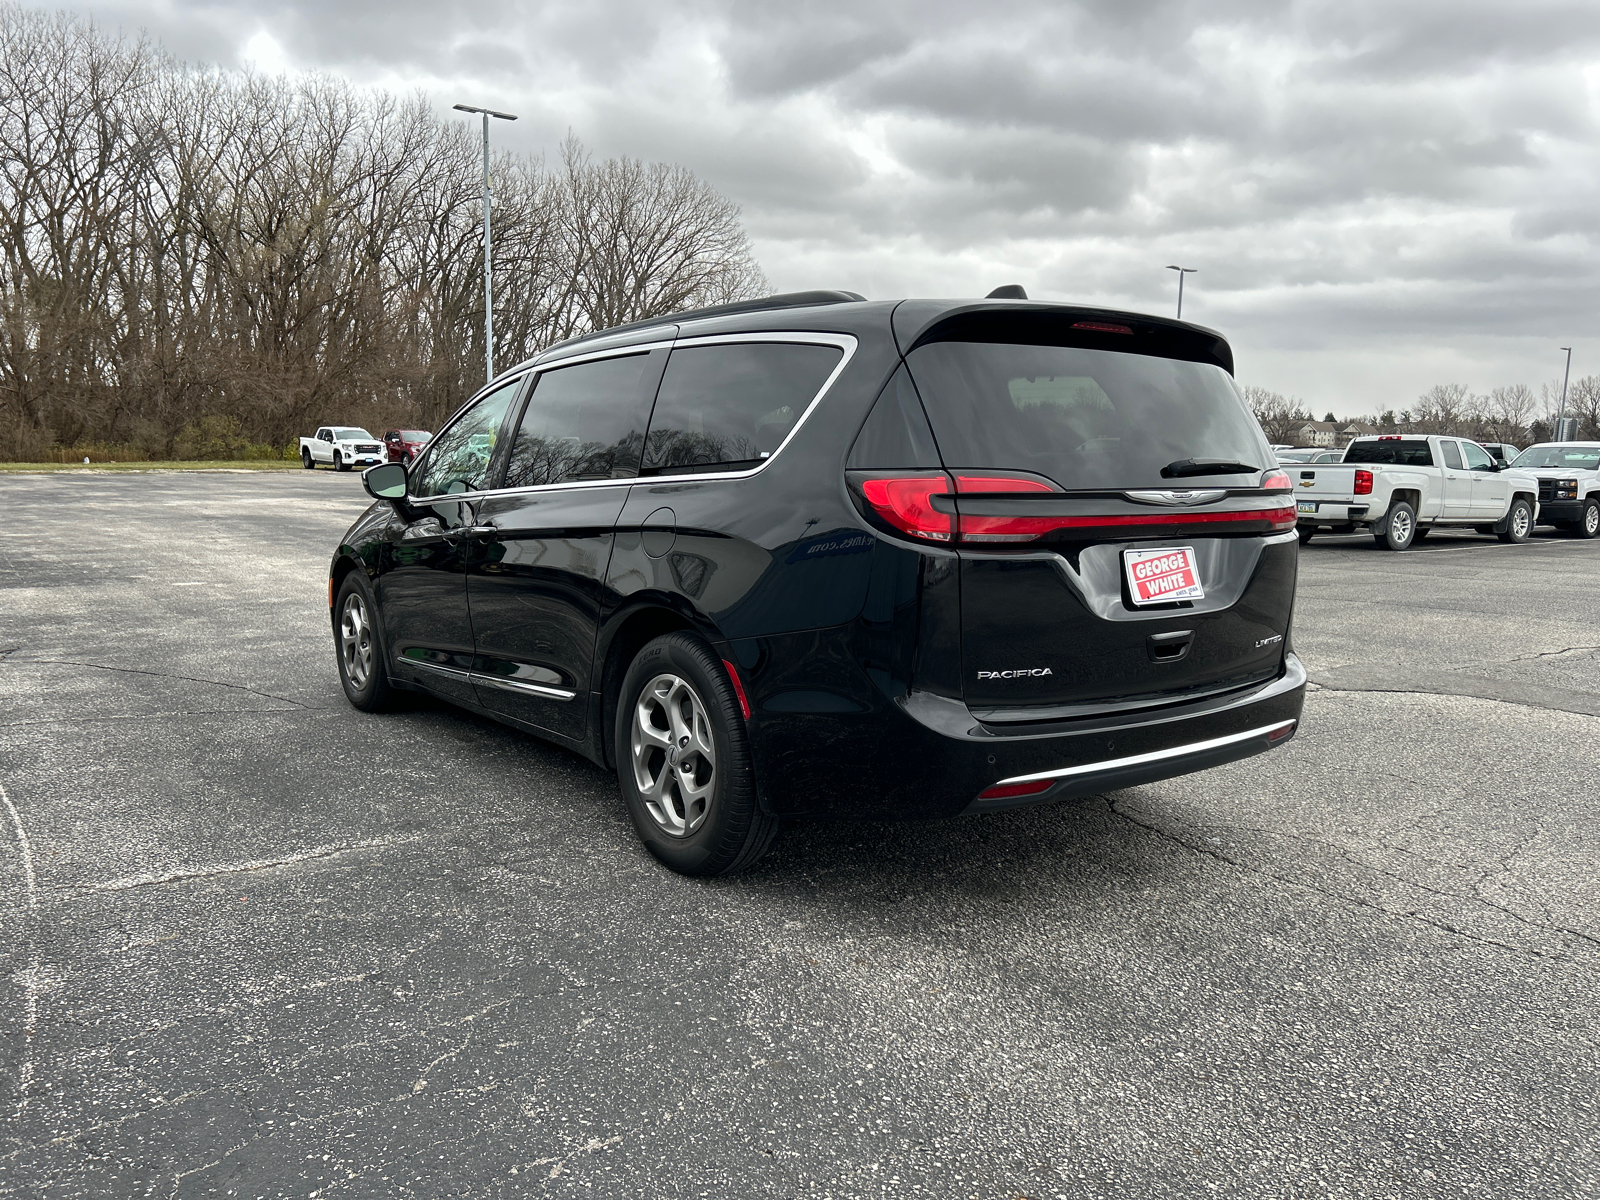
x: 1185, y: 467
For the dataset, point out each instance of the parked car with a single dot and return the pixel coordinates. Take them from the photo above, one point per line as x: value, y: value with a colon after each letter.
x: 1399, y: 487
x: 814, y: 556
x: 403, y: 445
x: 343, y: 447
x: 1569, y: 484
x: 1309, y: 456
x: 1502, y: 452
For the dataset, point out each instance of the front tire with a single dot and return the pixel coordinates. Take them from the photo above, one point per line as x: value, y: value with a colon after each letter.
x: 1306, y: 532
x: 306, y: 460
x: 358, y: 644
x: 1519, y: 522
x: 684, y: 763
x: 1588, y: 525
x: 339, y: 463
x: 1399, y: 528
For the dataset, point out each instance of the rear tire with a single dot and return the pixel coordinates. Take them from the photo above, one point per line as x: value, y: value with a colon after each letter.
x: 1421, y: 534
x: 1519, y: 522
x: 1398, y: 529
x: 684, y: 763
x: 306, y: 460
x: 1588, y: 525
x: 1306, y: 532
x: 359, y: 646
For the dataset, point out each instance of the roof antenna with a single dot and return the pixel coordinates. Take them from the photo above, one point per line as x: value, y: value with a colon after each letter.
x: 1007, y: 291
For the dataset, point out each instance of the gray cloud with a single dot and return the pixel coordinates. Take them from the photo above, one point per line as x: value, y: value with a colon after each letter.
x: 1378, y: 195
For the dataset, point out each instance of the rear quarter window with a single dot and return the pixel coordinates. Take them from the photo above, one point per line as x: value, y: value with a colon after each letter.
x: 729, y: 407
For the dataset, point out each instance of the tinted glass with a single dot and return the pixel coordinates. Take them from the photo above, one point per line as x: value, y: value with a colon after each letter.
x: 729, y: 407
x: 1452, y: 456
x: 1477, y: 457
x: 1085, y: 418
x: 583, y: 422
x: 458, y: 459
x: 896, y: 433
x: 1570, y: 458
x: 1401, y: 452
x: 350, y: 435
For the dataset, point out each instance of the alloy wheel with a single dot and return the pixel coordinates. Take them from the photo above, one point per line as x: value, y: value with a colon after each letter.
x: 1521, y: 521
x: 1400, y: 527
x: 1591, y: 519
x: 674, y: 754
x: 355, y: 640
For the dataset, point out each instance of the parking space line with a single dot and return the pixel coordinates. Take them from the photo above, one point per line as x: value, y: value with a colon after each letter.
x: 30, y: 983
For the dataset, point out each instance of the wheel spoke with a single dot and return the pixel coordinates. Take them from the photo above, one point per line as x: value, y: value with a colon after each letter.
x: 674, y: 767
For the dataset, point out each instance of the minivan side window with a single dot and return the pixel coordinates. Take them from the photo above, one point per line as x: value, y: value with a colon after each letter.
x: 583, y: 422
x: 458, y: 459
x: 728, y: 407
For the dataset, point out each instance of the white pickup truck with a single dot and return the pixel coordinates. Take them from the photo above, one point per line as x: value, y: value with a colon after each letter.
x: 342, y: 446
x: 1400, y: 486
x: 1569, y: 484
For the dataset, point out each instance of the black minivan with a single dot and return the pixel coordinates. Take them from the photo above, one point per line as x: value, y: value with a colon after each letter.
x: 814, y: 556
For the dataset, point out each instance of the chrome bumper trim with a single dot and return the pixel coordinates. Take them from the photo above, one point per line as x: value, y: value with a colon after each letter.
x: 1138, y: 760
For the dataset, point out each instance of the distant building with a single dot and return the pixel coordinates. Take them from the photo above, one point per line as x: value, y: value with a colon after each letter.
x: 1315, y: 433
x: 1348, y: 433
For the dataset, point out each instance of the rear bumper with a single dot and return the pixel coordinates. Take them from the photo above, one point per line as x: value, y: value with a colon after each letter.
x: 1334, y: 513
x: 868, y: 754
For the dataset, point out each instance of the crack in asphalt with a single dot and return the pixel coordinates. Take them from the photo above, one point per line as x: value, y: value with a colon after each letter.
x: 61, y: 662
x: 241, y: 868
x: 1356, y: 901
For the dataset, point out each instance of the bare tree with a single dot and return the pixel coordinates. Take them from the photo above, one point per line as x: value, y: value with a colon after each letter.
x: 1277, y: 414
x: 178, y: 245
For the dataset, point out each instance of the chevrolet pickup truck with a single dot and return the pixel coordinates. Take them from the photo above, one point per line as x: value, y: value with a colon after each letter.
x: 1569, y: 484
x: 342, y: 446
x: 1398, y: 487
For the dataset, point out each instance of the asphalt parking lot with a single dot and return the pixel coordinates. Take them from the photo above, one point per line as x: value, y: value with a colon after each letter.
x: 257, y: 943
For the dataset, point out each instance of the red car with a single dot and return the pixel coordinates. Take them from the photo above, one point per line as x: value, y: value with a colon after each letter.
x: 405, y: 444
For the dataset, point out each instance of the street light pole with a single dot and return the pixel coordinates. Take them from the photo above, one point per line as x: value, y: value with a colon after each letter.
x: 488, y: 245
x: 1182, y: 271
x: 1565, y: 375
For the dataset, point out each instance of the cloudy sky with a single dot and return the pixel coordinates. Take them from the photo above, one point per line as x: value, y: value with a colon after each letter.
x: 1378, y: 196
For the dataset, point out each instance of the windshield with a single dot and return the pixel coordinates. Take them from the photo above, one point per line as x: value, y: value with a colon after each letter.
x: 415, y: 435
x: 1088, y: 419
x: 1297, y: 455
x: 1571, y: 458
x: 347, y: 434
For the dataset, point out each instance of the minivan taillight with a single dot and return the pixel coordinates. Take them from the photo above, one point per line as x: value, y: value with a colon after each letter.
x: 906, y: 502
x: 1277, y: 481
x: 1363, y: 483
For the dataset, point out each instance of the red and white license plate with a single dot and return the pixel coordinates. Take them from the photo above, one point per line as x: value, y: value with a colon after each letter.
x: 1162, y: 576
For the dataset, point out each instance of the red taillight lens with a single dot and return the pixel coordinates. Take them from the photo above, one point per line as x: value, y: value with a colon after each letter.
x: 1363, y: 483
x: 1101, y: 327
x: 1281, y: 732
x: 907, y: 504
x: 1277, y: 481
x: 969, y: 484
x: 1025, y: 529
x: 1004, y: 791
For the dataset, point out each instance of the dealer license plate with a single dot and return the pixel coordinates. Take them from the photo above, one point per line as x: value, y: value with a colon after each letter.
x: 1162, y: 576
x: 1308, y: 506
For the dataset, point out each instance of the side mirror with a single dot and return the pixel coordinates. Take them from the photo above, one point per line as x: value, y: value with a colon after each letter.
x: 386, y: 481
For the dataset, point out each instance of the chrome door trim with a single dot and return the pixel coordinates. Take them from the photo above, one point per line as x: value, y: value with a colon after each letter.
x: 447, y: 672
x: 517, y: 685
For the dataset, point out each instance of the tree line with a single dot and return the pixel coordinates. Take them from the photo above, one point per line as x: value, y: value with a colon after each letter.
x: 190, y: 257
x: 1515, y: 413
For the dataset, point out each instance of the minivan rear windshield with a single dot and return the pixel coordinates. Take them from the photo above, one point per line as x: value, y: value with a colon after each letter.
x: 1088, y: 419
x: 1406, y: 452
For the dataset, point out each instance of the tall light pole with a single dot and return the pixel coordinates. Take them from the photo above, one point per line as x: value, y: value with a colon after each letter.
x: 1182, y: 271
x: 488, y: 245
x: 1565, y: 375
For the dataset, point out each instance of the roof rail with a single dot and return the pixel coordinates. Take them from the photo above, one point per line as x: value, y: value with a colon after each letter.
x: 782, y: 300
